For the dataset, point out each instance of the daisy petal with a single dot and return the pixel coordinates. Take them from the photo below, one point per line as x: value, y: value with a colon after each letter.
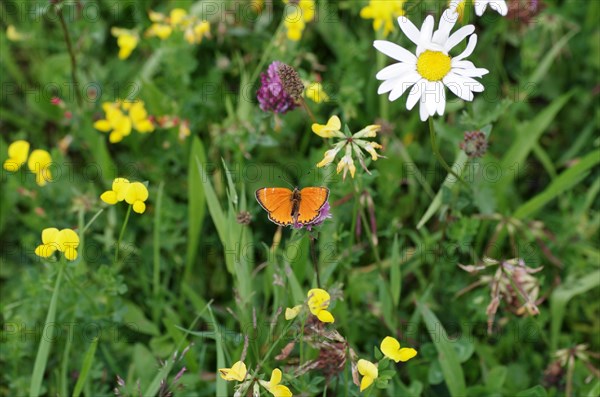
x: 499, y: 6
x: 471, y: 72
x: 426, y: 33
x: 455, y: 84
x: 409, y: 29
x: 441, y: 106
x: 414, y: 95
x: 458, y: 36
x: 469, y: 50
x: 402, y: 84
x: 423, y: 112
x: 447, y: 22
x: 480, y: 7
x: 431, y: 97
x: 394, y: 71
x: 394, y: 51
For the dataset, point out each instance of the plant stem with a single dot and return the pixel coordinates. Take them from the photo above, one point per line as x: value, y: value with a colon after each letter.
x: 122, y: 233
x: 41, y: 358
x: 266, y: 54
x: 63, y: 25
x: 313, y: 252
x: 156, y: 251
x: 307, y: 109
x: 436, y: 152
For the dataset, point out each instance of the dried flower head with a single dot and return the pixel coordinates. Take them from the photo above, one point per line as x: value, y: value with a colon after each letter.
x: 243, y: 218
x: 474, y: 144
x: 290, y: 80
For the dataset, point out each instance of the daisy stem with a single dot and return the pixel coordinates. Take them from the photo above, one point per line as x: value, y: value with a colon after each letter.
x: 122, y: 233
x: 436, y: 152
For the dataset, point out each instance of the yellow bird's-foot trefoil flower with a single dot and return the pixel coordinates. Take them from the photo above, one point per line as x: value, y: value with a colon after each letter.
x: 18, y: 151
x: 134, y: 193
x: 390, y: 347
x: 383, y: 13
x: 39, y: 163
x: 127, y: 40
x: 353, y: 145
x: 274, y: 386
x: 292, y: 312
x: 237, y: 372
x: 369, y: 372
x: 318, y: 302
x: 194, y: 29
x: 65, y: 241
x: 316, y: 93
x: 296, y: 15
x: 123, y: 116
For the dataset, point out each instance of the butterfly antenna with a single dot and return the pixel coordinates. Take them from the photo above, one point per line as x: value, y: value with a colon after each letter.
x: 286, y: 181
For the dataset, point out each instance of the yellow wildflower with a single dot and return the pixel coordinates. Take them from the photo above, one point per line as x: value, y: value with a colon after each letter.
x: 383, y: 13
x: 318, y: 302
x: 17, y: 155
x: 39, y: 163
x: 274, y: 386
x: 13, y: 35
x: 127, y: 40
x: 196, y: 32
x: 316, y: 93
x: 119, y: 188
x: 390, y: 347
x: 369, y: 372
x: 329, y: 130
x: 139, y: 117
x: 292, y: 312
x: 354, y: 144
x: 65, y: 241
x: 296, y: 16
x: 116, y: 122
x: 160, y: 30
x: 136, y: 195
x: 237, y: 372
x: 177, y: 16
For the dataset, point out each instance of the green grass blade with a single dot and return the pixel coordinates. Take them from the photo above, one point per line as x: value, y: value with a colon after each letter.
x: 458, y: 167
x: 395, y: 272
x: 212, y: 201
x: 196, y: 205
x: 563, y: 182
x: 85, y: 368
x: 156, y: 253
x: 45, y: 343
x: 451, y: 368
x: 562, y: 295
x: 221, y: 383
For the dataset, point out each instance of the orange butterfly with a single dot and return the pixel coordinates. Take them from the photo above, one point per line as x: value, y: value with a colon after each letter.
x: 287, y: 207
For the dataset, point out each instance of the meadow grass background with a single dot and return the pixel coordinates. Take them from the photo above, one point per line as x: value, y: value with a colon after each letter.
x: 190, y: 275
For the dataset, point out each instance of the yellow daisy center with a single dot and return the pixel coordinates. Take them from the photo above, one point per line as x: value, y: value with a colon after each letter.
x: 433, y: 65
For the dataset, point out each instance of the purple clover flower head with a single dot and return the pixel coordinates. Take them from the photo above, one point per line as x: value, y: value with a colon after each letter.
x: 271, y: 95
x: 324, y: 213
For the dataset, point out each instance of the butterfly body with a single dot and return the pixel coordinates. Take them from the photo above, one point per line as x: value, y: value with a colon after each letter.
x: 292, y: 207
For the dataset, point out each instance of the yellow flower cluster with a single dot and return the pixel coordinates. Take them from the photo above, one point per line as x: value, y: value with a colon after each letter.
x: 65, y: 241
x: 390, y: 347
x: 127, y: 40
x: 296, y: 15
x: 238, y: 372
x: 383, y: 13
x: 316, y: 93
x: 39, y: 161
x: 353, y: 145
x: 318, y: 302
x: 134, y: 193
x: 194, y: 29
x: 119, y: 123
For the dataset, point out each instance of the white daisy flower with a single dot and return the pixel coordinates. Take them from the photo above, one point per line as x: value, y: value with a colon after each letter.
x: 431, y: 67
x: 480, y: 6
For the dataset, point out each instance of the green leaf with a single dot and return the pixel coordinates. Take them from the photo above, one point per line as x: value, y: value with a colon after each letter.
x: 536, y: 391
x: 562, y: 183
x: 449, y: 363
x: 135, y: 319
x: 496, y: 378
x: 88, y: 360
x: 41, y: 358
x: 562, y: 295
x: 196, y: 205
x: 436, y: 203
x: 395, y: 272
x: 221, y: 383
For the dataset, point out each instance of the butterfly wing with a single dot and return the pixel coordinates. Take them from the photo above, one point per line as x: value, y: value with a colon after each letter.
x: 312, y: 199
x: 277, y: 201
